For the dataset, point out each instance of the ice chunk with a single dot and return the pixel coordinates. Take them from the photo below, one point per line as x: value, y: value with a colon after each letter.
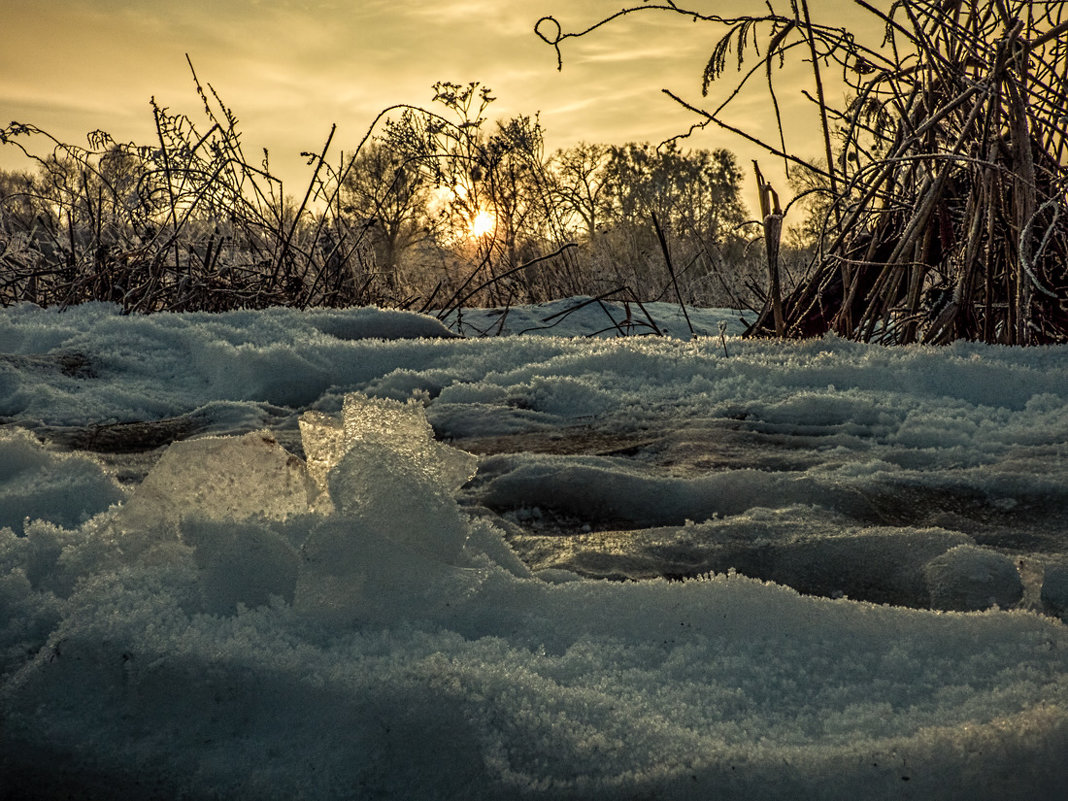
x: 323, y: 439
x: 405, y: 428
x: 398, y: 498
x: 969, y: 578
x: 397, y: 531
x: 402, y: 427
x: 1055, y: 590
x: 220, y: 478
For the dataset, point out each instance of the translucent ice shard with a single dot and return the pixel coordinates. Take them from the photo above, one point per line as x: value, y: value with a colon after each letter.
x: 401, y: 427
x: 323, y: 439
x: 396, y: 497
x: 392, y: 532
x: 220, y: 478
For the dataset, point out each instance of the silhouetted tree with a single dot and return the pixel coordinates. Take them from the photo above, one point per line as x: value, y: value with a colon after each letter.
x: 388, y: 198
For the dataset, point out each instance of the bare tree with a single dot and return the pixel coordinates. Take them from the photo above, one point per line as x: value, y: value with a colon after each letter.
x: 389, y: 198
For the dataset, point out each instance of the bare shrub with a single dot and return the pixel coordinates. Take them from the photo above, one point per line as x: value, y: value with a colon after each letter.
x: 944, y: 175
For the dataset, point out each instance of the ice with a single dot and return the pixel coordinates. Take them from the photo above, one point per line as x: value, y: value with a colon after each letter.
x: 397, y: 527
x: 969, y: 578
x: 401, y: 427
x: 384, y: 526
x: 220, y: 478
x: 399, y: 498
x: 405, y: 428
x: 323, y: 438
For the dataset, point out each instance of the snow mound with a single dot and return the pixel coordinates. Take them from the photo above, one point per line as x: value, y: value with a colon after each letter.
x: 811, y: 551
x: 608, y: 491
x: 374, y: 323
x: 1055, y: 590
x: 969, y: 578
x: 36, y: 484
x: 241, y: 563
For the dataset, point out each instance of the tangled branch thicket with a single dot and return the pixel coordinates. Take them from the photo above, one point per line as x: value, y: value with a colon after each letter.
x: 431, y: 210
x: 188, y: 223
x: 945, y: 175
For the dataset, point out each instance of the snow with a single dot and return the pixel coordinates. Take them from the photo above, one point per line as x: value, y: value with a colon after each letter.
x: 967, y: 578
x: 383, y: 561
x: 1055, y: 589
x: 34, y: 483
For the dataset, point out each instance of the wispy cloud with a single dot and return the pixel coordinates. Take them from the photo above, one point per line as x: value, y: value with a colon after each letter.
x: 291, y: 68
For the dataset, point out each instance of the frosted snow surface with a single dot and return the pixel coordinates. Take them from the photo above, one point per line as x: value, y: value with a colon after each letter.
x: 315, y: 596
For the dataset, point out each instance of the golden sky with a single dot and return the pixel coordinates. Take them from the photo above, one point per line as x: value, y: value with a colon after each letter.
x: 291, y: 68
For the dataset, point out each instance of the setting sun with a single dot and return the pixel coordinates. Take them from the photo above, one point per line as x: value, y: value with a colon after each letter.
x: 483, y: 223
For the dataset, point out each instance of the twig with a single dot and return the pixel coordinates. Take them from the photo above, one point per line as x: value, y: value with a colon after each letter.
x: 671, y: 270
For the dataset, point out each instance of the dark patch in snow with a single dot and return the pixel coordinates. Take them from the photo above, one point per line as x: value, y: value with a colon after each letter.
x: 133, y: 437
x: 72, y: 365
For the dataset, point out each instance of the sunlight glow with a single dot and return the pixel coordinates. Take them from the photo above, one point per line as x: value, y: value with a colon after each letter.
x: 483, y: 224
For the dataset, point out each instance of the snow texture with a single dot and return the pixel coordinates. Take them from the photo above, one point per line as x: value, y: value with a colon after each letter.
x: 34, y: 483
x: 967, y: 579
x: 314, y: 596
x: 1055, y: 590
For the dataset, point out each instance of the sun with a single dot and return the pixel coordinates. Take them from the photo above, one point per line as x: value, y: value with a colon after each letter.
x: 483, y: 224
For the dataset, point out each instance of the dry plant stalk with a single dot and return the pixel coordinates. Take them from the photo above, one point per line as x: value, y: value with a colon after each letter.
x: 946, y: 177
x: 953, y: 182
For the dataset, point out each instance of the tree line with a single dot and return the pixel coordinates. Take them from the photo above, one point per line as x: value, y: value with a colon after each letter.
x: 435, y: 208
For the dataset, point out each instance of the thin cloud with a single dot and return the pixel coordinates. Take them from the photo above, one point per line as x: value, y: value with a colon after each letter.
x: 291, y: 68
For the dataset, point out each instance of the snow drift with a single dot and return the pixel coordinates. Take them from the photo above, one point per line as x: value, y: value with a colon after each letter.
x: 326, y: 620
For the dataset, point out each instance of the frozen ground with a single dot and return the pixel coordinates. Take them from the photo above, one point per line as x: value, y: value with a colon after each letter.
x: 318, y: 593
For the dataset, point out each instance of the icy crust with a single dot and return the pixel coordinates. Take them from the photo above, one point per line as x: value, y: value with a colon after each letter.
x: 194, y: 644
